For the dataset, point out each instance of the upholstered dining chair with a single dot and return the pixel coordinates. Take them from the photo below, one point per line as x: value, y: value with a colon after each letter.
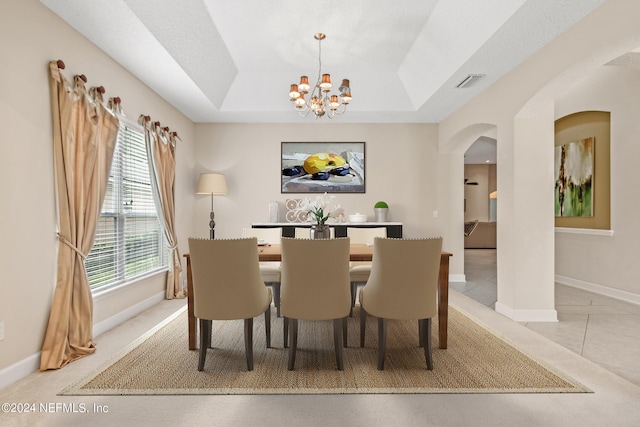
x: 360, y: 270
x: 403, y: 285
x: 305, y: 232
x: 315, y: 286
x: 227, y: 286
x: 269, y: 270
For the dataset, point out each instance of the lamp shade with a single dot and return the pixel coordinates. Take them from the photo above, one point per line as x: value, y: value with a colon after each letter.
x: 211, y: 183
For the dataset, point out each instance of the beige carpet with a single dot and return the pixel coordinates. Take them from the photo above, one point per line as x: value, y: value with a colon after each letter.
x: 477, y: 361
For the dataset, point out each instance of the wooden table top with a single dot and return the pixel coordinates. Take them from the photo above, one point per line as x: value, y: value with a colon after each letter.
x: 357, y: 252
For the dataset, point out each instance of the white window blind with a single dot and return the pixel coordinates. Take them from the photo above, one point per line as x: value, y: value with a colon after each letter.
x: 129, y: 240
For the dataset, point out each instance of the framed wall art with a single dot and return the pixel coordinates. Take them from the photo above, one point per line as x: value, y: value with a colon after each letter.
x: 574, y: 178
x: 322, y: 167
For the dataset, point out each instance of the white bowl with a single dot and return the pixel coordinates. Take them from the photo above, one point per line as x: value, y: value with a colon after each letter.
x: 358, y: 217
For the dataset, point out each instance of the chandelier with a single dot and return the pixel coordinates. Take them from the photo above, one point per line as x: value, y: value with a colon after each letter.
x: 320, y: 102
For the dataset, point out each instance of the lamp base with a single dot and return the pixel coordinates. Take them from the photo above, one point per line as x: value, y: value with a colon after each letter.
x: 212, y: 225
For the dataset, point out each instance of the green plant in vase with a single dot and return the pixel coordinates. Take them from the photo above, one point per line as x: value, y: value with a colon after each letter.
x: 381, y: 209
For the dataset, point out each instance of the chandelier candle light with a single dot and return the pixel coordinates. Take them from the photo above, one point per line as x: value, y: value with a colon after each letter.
x: 320, y: 102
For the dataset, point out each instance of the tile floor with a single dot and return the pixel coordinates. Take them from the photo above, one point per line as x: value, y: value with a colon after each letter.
x: 602, y: 329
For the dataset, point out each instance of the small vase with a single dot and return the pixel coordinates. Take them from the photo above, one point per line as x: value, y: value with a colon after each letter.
x: 320, y: 231
x: 381, y: 214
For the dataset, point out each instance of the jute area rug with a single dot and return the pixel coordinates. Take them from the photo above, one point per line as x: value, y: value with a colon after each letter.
x: 476, y: 361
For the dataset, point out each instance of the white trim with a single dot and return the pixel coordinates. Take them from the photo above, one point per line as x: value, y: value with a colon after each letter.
x: 527, y: 315
x: 590, y: 231
x: 31, y: 364
x: 121, y: 317
x: 599, y: 289
x: 457, y: 278
x: 19, y: 370
x: 102, y: 291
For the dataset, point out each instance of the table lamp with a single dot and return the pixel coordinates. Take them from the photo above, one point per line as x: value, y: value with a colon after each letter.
x: 211, y: 183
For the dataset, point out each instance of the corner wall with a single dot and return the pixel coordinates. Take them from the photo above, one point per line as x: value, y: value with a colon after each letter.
x: 31, y: 36
x: 608, y: 263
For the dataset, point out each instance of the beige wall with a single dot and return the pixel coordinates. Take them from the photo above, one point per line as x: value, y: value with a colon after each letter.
x: 402, y: 167
x: 477, y: 196
x: 31, y: 36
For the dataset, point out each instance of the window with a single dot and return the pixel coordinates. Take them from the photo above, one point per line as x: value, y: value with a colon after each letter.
x: 129, y: 239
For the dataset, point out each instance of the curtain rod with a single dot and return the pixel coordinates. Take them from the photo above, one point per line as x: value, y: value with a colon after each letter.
x: 166, y: 128
x: 100, y: 89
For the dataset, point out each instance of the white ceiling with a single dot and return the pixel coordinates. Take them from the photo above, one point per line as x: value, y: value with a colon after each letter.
x: 233, y: 61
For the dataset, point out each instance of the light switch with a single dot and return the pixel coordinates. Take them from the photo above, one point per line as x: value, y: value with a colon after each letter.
x: 1, y: 331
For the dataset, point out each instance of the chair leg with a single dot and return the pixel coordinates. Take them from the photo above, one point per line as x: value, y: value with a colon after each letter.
x: 293, y: 338
x: 205, y: 341
x: 285, y: 325
x: 276, y: 297
x: 337, y: 330
x: 344, y: 331
x: 426, y: 337
x: 267, y: 325
x: 382, y: 342
x: 363, y: 325
x: 248, y: 342
x: 354, y: 287
x: 421, y: 332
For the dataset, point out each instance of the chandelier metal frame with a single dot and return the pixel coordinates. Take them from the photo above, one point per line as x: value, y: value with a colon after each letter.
x: 320, y: 102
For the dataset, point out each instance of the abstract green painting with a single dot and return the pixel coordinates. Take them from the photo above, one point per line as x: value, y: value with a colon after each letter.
x: 574, y: 178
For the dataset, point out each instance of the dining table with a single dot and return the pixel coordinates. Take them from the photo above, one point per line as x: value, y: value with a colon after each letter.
x: 357, y: 252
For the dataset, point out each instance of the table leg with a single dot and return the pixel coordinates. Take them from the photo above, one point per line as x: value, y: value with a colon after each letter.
x: 193, y: 325
x: 443, y: 300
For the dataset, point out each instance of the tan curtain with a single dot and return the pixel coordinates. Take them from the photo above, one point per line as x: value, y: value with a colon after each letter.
x: 84, y: 138
x: 161, y: 150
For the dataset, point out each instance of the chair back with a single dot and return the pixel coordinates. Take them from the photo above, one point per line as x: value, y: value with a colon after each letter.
x: 226, y: 279
x: 365, y: 236
x: 315, y: 279
x: 268, y: 235
x: 404, y: 278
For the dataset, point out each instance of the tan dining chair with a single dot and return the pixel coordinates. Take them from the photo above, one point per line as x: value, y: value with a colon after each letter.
x: 305, y: 232
x: 403, y: 285
x: 269, y: 270
x: 227, y: 286
x: 359, y: 270
x: 315, y: 286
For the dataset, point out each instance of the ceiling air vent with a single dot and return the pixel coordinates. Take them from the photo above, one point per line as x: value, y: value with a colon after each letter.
x: 470, y: 80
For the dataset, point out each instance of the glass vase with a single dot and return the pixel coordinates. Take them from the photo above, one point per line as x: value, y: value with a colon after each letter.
x: 320, y: 231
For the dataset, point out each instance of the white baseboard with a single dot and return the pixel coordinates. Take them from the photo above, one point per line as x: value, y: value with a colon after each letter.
x: 457, y: 278
x: 527, y: 315
x: 31, y: 364
x: 599, y: 289
x: 19, y: 370
x: 117, y: 319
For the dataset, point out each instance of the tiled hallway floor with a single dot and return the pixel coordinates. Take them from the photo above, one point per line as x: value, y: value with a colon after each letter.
x: 602, y: 329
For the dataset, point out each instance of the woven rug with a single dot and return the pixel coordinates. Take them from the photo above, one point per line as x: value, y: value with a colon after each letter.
x: 476, y: 361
